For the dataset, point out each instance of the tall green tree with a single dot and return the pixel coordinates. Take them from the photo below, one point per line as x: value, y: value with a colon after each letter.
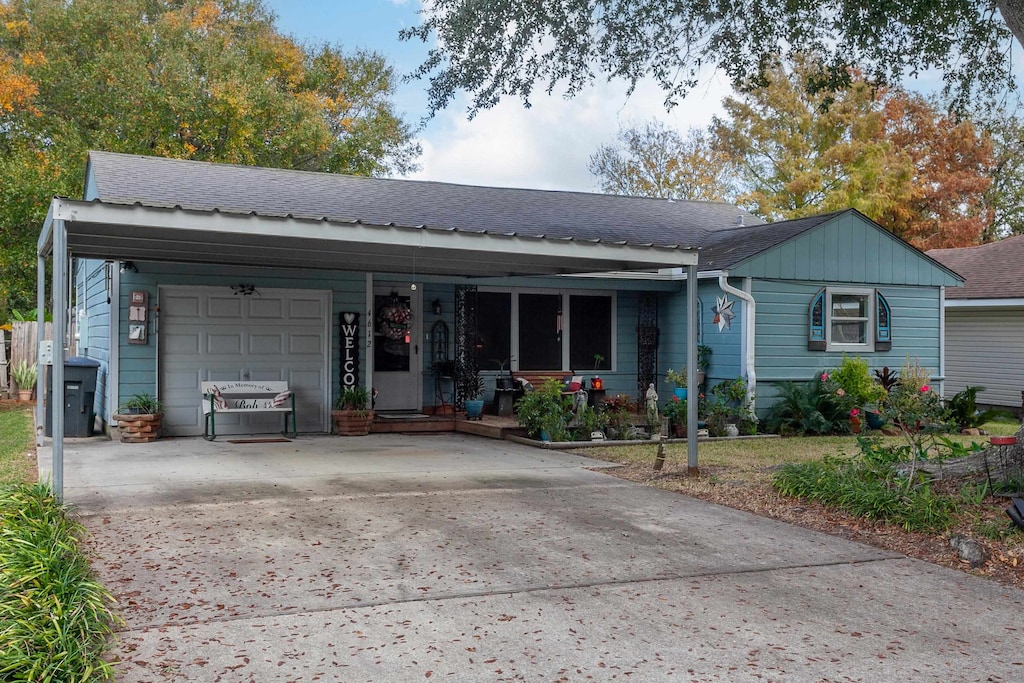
x: 895, y: 157
x: 653, y: 160
x: 1005, y: 197
x: 199, y: 79
x: 494, y: 48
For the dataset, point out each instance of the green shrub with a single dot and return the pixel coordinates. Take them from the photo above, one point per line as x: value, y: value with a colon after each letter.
x: 963, y: 410
x: 813, y: 407
x: 55, y: 618
x: 868, y: 490
x: 545, y: 409
x: 853, y: 376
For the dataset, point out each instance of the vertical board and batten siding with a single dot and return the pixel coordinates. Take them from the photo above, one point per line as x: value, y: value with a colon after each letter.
x: 986, y: 348
x: 92, y: 297
x: 782, y: 324
x: 847, y: 249
x: 725, y: 345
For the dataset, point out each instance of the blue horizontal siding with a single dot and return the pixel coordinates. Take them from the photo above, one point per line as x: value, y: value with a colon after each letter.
x: 782, y: 321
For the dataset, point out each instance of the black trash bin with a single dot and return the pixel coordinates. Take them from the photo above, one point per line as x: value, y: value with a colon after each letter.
x: 79, y: 396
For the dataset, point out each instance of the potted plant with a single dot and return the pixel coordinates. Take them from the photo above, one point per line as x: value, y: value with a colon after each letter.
x: 703, y: 361
x: 596, y: 382
x: 351, y: 414
x: 24, y: 375
x: 139, y: 419
x: 473, y: 389
x: 678, y: 380
x: 675, y: 411
x: 545, y: 412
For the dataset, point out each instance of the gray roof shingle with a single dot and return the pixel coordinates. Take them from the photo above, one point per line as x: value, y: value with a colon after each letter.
x: 160, y: 182
x: 991, y: 271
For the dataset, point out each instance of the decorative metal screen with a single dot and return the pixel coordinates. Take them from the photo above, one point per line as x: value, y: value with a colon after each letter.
x: 647, y: 343
x: 466, y: 363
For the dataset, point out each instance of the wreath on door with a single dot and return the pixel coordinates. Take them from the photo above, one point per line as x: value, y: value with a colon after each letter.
x: 394, y: 318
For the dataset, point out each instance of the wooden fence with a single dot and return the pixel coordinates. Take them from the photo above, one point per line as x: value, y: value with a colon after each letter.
x: 24, y: 345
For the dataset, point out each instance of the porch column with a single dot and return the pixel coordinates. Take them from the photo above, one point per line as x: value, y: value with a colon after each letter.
x: 59, y: 294
x: 40, y: 331
x: 691, y: 369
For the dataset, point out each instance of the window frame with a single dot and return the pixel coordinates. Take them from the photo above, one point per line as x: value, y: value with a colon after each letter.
x: 566, y: 322
x: 869, y: 294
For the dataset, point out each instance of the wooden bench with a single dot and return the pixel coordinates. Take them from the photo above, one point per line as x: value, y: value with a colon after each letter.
x: 246, y: 397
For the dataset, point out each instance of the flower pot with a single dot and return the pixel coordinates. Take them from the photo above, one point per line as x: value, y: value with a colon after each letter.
x: 138, y: 427
x: 855, y: 424
x: 701, y: 375
x: 474, y: 409
x: 24, y: 394
x: 352, y: 422
x: 680, y: 393
x: 875, y: 420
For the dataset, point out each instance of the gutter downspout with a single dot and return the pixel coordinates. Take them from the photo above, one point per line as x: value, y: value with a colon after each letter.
x: 942, y: 342
x: 749, y: 310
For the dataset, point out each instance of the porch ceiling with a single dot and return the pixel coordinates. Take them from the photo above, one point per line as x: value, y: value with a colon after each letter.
x: 143, y: 233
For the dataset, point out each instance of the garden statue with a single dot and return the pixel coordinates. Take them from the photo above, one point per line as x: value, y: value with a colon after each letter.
x: 651, y: 400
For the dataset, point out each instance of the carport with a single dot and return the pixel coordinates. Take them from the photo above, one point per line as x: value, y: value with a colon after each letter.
x: 203, y: 236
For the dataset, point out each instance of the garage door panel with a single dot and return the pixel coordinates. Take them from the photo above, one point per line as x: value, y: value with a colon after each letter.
x: 180, y: 306
x: 218, y: 307
x: 265, y: 308
x: 187, y: 343
x: 305, y: 344
x: 207, y: 336
x: 228, y: 344
x: 306, y: 309
x: 266, y: 344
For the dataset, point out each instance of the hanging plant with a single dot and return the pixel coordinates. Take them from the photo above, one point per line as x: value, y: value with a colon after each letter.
x: 394, y: 318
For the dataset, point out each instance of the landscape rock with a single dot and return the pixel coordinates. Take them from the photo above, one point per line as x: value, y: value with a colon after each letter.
x: 969, y: 550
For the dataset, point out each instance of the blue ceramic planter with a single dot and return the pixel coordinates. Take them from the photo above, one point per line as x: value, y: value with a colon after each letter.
x: 680, y: 393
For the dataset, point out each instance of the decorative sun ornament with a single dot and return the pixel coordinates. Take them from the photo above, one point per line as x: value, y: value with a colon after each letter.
x: 723, y: 312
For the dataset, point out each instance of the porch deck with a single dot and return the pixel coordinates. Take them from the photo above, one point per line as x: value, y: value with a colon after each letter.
x: 491, y: 426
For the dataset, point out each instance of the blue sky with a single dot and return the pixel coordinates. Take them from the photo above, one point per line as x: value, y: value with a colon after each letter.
x: 545, y: 147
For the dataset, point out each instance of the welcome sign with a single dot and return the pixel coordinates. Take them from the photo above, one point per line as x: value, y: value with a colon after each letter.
x: 349, y: 350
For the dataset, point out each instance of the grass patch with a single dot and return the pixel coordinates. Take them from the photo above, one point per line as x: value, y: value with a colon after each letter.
x: 55, y: 618
x: 15, y: 441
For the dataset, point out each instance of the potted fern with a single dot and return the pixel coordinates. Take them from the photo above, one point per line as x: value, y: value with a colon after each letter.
x: 351, y: 414
x: 24, y: 375
x: 139, y: 419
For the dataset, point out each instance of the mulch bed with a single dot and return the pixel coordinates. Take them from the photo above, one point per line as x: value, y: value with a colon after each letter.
x: 1006, y: 556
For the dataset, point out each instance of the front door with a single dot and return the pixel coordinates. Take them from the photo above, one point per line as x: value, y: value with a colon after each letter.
x: 397, y: 357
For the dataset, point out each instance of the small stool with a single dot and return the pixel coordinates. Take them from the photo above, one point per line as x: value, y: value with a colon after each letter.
x: 504, y: 400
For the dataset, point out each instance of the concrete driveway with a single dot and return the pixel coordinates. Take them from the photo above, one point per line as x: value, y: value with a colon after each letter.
x: 448, y: 557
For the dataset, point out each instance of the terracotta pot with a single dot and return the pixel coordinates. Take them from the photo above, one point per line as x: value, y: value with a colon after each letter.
x: 141, y: 428
x: 24, y: 395
x: 855, y: 424
x: 352, y: 422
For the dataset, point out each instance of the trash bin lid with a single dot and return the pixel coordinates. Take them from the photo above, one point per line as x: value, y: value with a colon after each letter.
x: 81, y: 362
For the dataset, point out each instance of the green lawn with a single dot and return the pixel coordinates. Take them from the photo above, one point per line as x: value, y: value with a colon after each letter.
x: 16, y: 439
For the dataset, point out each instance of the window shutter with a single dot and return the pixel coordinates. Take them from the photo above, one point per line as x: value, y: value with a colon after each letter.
x: 883, y: 320
x: 816, y: 323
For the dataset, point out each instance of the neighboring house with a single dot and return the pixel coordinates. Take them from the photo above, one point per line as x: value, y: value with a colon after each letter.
x: 985, y: 321
x: 327, y: 280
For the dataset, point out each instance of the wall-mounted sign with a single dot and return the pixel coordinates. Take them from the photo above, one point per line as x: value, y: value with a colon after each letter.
x: 350, y: 339
x: 138, y: 313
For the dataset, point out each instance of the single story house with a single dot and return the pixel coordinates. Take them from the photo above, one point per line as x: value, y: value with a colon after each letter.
x: 985, y: 321
x: 188, y: 271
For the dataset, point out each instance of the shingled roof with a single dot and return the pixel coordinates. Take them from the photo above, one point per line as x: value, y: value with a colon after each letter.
x: 726, y: 247
x: 991, y: 271
x: 158, y: 182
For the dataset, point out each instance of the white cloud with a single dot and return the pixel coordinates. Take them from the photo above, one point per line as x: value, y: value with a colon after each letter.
x: 548, y: 145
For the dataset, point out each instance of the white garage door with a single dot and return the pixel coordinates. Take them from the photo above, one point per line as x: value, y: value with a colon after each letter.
x: 211, y: 334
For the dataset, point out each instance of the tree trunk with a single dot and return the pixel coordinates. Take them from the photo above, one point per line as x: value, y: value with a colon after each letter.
x: 1013, y: 15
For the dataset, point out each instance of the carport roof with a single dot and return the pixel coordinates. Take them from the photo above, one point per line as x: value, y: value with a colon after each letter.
x: 153, y: 209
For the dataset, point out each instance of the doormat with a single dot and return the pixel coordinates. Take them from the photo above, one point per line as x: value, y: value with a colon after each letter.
x: 400, y: 416
x: 259, y: 440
